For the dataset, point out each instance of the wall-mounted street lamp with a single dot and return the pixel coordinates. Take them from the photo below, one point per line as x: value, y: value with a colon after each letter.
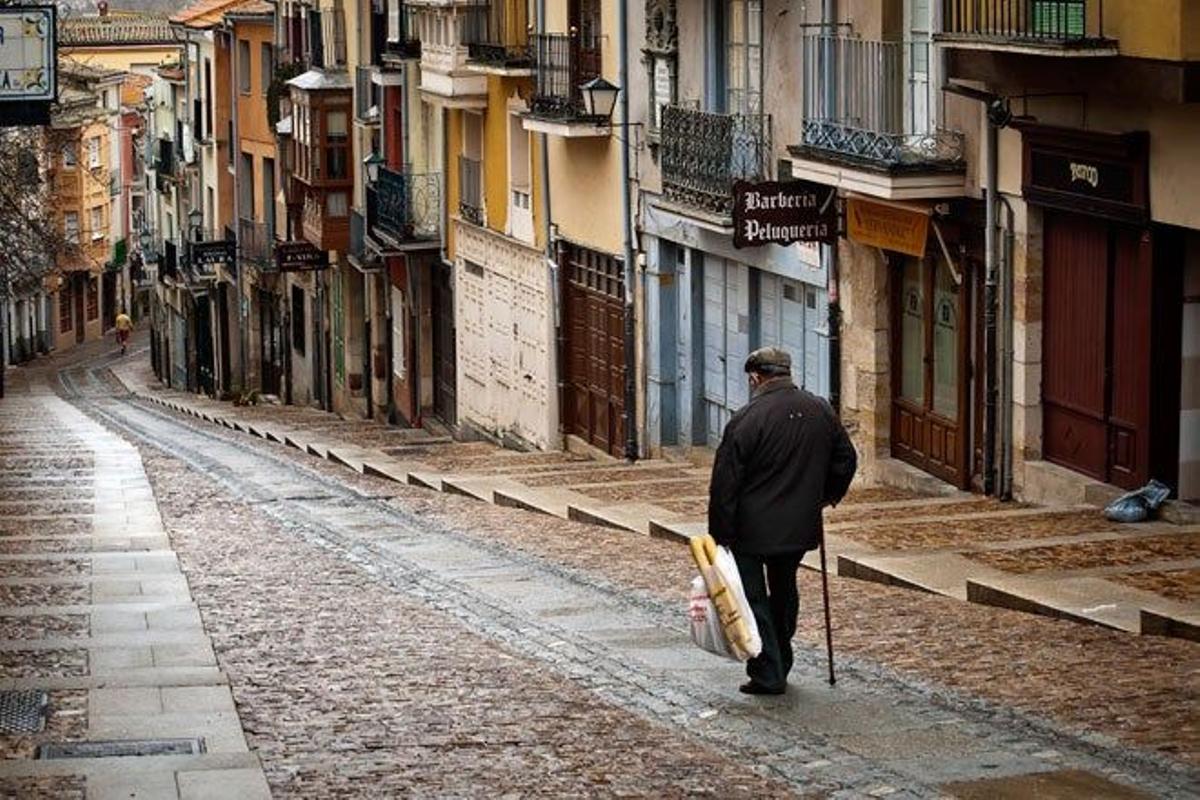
x: 599, y: 98
x: 196, y: 223
x: 372, y: 163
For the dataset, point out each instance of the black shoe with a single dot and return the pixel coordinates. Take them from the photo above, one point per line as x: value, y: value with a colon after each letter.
x: 751, y: 687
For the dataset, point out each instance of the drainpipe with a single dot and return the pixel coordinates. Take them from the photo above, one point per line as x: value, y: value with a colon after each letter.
x: 829, y: 260
x: 631, y: 437
x: 997, y: 116
x: 991, y: 170
x: 242, y: 310
x: 551, y: 261
x: 1004, y: 489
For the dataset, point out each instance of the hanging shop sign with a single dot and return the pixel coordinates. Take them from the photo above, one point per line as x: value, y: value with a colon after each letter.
x: 299, y: 256
x: 1103, y: 174
x: 28, y: 57
x: 207, y: 255
x: 783, y: 212
x: 888, y: 227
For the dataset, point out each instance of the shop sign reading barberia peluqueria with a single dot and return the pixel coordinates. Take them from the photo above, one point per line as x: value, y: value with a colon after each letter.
x: 783, y: 212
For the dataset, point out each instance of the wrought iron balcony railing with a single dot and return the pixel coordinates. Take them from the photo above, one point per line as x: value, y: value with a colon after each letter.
x: 504, y: 41
x: 882, y: 101
x: 1075, y: 23
x: 470, y: 190
x: 704, y: 153
x: 405, y: 207
x: 562, y: 63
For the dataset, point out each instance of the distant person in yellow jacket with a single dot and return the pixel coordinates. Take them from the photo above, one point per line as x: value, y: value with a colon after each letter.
x: 783, y: 457
x: 124, y: 327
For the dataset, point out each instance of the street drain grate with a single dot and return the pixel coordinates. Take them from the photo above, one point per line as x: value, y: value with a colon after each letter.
x: 128, y: 747
x: 23, y: 711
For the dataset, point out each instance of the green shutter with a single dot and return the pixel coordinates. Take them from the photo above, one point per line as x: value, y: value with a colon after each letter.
x: 1060, y: 19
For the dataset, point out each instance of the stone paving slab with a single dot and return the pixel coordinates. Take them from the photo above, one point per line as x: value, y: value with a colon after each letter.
x: 136, y: 652
x: 1091, y: 600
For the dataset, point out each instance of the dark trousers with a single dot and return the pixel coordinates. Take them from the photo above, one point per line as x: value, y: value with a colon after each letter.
x: 770, y: 585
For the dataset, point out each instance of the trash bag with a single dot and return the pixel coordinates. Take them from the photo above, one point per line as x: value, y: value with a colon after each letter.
x: 727, y: 604
x: 1137, y: 506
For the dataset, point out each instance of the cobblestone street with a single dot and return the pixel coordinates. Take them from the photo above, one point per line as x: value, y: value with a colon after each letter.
x: 373, y: 638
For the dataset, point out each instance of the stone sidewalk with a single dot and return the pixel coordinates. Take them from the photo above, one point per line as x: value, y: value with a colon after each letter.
x: 1065, y: 562
x: 95, y: 611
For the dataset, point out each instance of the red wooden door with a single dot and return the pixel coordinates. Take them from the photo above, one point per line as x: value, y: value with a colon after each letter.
x: 1074, y: 340
x: 1129, y: 409
x: 594, y: 379
x: 1096, y: 340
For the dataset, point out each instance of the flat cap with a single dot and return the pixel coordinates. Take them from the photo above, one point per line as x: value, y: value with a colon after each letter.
x: 769, y: 360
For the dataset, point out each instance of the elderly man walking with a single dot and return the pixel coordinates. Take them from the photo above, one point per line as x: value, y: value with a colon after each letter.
x: 783, y: 457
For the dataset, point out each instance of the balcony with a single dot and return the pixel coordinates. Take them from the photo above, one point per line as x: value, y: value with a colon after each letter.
x: 877, y: 137
x: 704, y: 153
x: 502, y: 46
x: 404, y: 209
x: 445, y: 31
x: 256, y: 243
x: 325, y: 223
x: 393, y: 34
x: 1038, y: 27
x: 562, y: 63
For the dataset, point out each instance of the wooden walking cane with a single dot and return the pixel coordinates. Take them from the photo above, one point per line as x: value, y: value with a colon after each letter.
x: 828, y: 623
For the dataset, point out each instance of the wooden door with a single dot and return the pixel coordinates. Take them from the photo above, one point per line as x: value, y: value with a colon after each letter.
x: 1129, y: 394
x: 445, y: 378
x: 726, y: 342
x: 930, y: 334
x: 1096, y: 337
x: 594, y: 323
x: 1074, y: 332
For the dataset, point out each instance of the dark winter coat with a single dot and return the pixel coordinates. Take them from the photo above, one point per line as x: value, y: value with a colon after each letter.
x: 783, y: 457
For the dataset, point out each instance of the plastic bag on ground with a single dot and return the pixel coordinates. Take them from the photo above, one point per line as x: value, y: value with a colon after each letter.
x: 1137, y: 506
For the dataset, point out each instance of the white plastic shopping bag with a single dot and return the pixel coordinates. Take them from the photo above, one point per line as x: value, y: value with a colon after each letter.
x: 751, y: 642
x: 722, y: 605
x: 706, y: 626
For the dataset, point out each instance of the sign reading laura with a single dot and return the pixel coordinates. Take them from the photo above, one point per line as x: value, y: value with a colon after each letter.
x: 783, y: 212
x: 299, y: 256
x: 27, y: 57
x: 206, y: 255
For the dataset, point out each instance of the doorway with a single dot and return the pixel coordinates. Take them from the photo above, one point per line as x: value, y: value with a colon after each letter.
x: 270, y: 344
x: 594, y: 363
x: 931, y: 313
x: 81, y: 288
x: 445, y: 365
x: 204, y: 344
x: 727, y: 342
x: 1097, y: 330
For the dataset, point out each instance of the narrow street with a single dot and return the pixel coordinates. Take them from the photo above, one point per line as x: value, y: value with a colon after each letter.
x: 375, y: 639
